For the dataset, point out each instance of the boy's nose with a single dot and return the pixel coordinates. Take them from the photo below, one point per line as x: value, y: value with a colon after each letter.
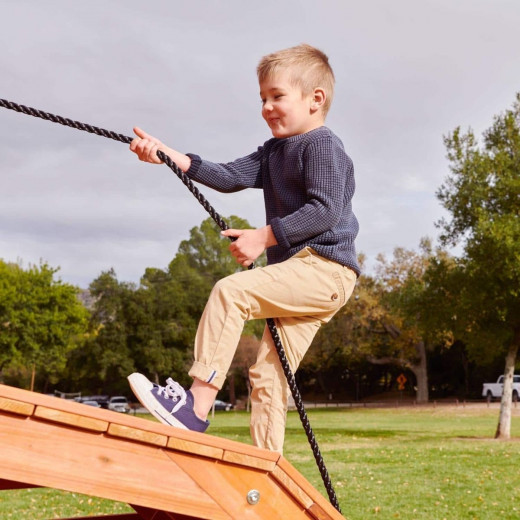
x: 268, y: 106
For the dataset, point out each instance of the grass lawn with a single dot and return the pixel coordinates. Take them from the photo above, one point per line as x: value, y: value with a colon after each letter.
x: 407, y: 463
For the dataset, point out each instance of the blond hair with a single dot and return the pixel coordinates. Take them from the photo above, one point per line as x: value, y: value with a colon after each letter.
x: 309, y: 69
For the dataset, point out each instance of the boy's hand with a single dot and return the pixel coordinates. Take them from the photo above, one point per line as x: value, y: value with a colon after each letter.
x: 249, y: 243
x: 145, y: 146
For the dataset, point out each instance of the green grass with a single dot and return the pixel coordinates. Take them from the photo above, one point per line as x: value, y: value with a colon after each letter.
x: 406, y: 463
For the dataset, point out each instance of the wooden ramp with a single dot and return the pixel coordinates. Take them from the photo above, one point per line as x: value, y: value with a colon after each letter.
x: 162, y: 472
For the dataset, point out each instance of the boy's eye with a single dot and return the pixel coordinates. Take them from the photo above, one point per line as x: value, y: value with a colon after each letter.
x: 276, y: 96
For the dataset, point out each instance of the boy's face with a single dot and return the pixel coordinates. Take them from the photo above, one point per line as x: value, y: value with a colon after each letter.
x: 286, y: 109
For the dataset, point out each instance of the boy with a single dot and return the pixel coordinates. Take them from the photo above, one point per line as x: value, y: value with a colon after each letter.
x: 308, y: 183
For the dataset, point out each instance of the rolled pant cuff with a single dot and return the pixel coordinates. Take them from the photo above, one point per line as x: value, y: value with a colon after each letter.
x: 207, y: 374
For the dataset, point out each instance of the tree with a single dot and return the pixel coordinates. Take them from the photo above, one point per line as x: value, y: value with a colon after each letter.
x: 387, y: 322
x: 203, y: 260
x: 244, y: 358
x: 407, y: 307
x: 41, y: 320
x: 151, y: 327
x: 105, y: 360
x: 482, y: 195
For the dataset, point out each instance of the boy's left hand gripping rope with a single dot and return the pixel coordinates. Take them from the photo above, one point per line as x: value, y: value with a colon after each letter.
x: 223, y: 226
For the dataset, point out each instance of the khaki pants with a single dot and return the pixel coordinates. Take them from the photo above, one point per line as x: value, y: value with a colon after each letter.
x: 301, y: 293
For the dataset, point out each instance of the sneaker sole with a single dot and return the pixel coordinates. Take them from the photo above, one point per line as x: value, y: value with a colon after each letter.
x: 142, y: 387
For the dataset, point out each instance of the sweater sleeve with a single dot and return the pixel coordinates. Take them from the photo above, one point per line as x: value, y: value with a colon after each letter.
x: 329, y: 186
x: 237, y: 175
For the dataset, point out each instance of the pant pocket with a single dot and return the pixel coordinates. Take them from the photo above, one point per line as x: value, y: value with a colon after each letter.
x: 338, y: 296
x: 345, y: 281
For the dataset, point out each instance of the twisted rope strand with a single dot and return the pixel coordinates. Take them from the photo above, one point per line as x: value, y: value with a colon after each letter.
x: 223, y: 226
x: 64, y: 121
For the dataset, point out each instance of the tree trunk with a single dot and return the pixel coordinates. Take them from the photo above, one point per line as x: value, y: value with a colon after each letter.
x: 33, y: 377
x: 248, y: 404
x: 504, y: 420
x: 321, y: 382
x: 465, y: 366
x: 232, y: 394
x: 420, y: 371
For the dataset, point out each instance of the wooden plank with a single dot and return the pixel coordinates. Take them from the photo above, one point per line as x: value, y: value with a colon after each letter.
x: 122, y: 516
x: 195, y: 447
x: 229, y: 485
x: 247, y: 449
x: 318, y: 513
x: 219, y: 443
x: 292, y: 487
x: 50, y: 455
x: 137, y: 434
x: 153, y: 514
x: 71, y: 419
x: 307, y: 488
x: 250, y: 461
x: 18, y: 407
x: 123, y: 457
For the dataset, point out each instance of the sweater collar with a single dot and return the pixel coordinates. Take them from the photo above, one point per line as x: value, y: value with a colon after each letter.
x: 285, y: 140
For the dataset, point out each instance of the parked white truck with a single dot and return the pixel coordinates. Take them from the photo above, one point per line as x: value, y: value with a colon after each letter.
x: 494, y: 390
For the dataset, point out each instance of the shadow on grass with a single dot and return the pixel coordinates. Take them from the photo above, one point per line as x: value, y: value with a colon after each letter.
x: 484, y: 438
x: 353, y: 433
x: 240, y: 430
x: 243, y: 431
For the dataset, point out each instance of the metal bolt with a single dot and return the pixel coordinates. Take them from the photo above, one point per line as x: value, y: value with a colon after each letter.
x: 253, y: 497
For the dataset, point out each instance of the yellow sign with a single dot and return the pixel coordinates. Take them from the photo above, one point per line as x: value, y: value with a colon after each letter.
x: 401, y: 380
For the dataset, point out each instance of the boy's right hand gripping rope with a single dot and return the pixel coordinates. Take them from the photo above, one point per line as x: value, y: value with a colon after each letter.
x: 223, y: 226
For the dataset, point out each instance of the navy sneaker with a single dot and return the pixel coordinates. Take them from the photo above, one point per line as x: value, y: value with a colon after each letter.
x: 170, y: 404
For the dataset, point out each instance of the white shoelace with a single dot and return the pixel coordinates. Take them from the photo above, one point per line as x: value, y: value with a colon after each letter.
x: 174, y: 391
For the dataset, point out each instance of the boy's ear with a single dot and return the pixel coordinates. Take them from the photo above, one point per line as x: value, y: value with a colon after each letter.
x: 318, y: 99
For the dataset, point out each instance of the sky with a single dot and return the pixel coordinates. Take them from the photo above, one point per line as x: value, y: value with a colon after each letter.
x: 408, y: 72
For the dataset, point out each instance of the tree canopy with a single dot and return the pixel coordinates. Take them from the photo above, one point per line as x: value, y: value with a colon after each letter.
x: 151, y: 327
x: 482, y: 196
x: 41, y: 320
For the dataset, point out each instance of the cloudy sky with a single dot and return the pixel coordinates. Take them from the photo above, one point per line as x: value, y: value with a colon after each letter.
x: 407, y: 73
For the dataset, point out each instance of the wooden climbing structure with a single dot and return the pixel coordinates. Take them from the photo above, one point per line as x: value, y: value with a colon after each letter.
x: 163, y: 473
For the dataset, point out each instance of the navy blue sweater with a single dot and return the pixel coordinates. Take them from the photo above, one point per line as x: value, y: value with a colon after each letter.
x: 308, y: 184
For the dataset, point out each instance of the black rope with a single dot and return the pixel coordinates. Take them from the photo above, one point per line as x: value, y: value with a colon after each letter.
x: 223, y: 226
x: 303, y: 414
